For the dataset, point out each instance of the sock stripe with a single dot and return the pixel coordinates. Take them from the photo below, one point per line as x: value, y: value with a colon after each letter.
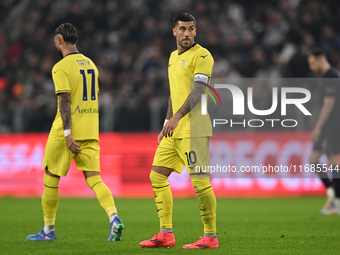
x: 160, y: 187
x: 203, y: 189
x: 96, y: 184
x: 50, y: 187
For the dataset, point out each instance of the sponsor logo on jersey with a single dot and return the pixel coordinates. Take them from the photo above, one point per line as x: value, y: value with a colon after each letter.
x: 85, y: 111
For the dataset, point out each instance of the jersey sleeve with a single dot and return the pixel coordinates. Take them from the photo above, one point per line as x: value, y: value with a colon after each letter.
x: 61, y: 81
x: 204, y: 63
x: 203, y: 66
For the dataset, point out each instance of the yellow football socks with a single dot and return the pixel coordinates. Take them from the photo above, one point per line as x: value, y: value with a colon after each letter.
x: 163, y: 199
x: 50, y: 199
x: 207, y: 204
x: 103, y: 194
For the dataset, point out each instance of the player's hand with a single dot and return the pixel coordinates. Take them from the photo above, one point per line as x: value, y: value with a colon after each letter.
x: 315, y: 135
x: 160, y: 137
x: 169, y: 127
x: 72, y: 145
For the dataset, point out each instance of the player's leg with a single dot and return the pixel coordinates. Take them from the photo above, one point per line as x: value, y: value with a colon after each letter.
x: 333, y: 160
x: 105, y: 199
x: 49, y: 202
x: 163, y: 196
x: 318, y: 150
x: 314, y: 159
x: 333, y: 163
x: 88, y: 162
x: 164, y: 202
x: 57, y: 160
x: 207, y: 203
x: 197, y: 160
x: 165, y: 161
x: 102, y: 192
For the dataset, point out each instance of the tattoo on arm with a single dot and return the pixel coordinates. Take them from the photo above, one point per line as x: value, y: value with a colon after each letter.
x: 65, y: 110
x: 169, y: 113
x: 192, y: 100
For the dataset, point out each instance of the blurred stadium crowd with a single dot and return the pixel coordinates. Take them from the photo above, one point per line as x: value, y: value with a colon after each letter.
x: 130, y: 42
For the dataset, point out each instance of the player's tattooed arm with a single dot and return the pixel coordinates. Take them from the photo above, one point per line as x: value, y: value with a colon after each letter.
x: 65, y: 110
x: 191, y: 101
x: 169, y: 113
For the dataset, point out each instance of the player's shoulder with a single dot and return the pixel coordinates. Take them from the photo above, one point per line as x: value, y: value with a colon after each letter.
x: 58, y: 66
x: 174, y: 53
x: 64, y: 62
x: 85, y: 57
x: 202, y: 52
x: 201, y: 49
x: 332, y: 73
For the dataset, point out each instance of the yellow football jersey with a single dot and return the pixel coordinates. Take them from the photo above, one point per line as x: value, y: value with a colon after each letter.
x: 77, y: 75
x: 184, y: 68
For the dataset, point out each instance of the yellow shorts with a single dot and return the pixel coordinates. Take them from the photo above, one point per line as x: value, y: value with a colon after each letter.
x: 58, y: 157
x: 176, y: 153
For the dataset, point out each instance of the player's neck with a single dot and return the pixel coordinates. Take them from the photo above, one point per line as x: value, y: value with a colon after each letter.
x: 69, y: 50
x: 181, y: 49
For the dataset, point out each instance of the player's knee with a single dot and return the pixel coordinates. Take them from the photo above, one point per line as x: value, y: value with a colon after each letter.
x: 50, y: 174
x: 51, y: 183
x: 157, y: 178
x: 151, y: 176
x: 201, y: 185
x: 93, y: 180
x: 88, y: 174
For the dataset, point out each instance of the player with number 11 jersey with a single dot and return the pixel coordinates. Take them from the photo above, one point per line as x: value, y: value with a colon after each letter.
x: 71, y: 75
x: 74, y: 134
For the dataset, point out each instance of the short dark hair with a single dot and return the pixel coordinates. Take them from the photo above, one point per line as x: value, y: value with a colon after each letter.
x: 186, y: 17
x: 317, y: 52
x: 68, y: 32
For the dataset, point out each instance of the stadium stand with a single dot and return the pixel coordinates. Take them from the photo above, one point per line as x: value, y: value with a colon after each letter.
x: 130, y: 41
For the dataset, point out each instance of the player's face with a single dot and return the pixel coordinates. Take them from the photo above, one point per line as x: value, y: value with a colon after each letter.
x: 314, y: 64
x: 57, y: 45
x: 185, y: 33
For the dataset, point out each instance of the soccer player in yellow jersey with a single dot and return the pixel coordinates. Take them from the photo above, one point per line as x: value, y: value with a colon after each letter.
x: 184, y: 139
x: 74, y: 133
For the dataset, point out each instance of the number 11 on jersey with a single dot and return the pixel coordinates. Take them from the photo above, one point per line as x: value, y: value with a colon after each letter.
x: 93, y: 84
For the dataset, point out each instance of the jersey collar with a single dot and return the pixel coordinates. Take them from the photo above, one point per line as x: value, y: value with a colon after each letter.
x: 193, y: 45
x: 77, y: 52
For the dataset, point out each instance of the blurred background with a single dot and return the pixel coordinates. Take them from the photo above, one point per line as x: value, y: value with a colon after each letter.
x: 130, y: 41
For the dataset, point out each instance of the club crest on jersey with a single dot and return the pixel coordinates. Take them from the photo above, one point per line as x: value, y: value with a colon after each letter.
x: 183, y: 61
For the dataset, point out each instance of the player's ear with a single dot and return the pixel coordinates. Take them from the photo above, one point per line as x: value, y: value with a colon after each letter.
x: 174, y: 31
x: 59, y: 39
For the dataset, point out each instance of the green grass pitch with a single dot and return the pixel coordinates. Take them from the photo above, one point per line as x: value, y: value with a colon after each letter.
x: 245, y: 226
